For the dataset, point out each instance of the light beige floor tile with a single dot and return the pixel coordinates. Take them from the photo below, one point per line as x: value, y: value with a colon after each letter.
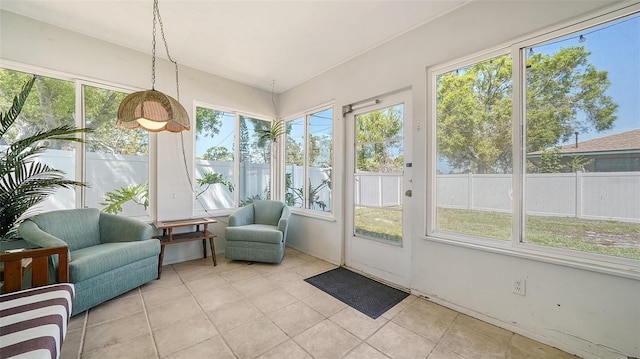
x: 209, y: 281
x: 483, y: 327
x: 168, y: 314
x: 115, y: 331
x: 360, y: 325
x: 525, y: 348
x: 295, y: 318
x: 299, y: 288
x: 440, y: 352
x: 273, y: 300
x: 226, y: 265
x: 306, y: 257
x: 365, y: 351
x: 169, y: 278
x: 183, y: 334
x: 133, y: 348
x: 400, y: 343
x: 254, y: 338
x: 234, y: 315
x: 426, y: 319
x: 213, y: 299
x: 324, y: 303
x: 200, y: 262
x: 308, y: 269
x: 240, y: 274
x: 164, y: 296
x: 290, y: 261
x: 77, y: 322
x: 288, y: 350
x: 266, y: 268
x: 472, y: 344
x: 389, y: 314
x: 285, y: 275
x: 191, y: 273
x: 255, y: 286
x: 119, y: 307
x: 326, y: 340
x: 71, y: 346
x: 213, y: 348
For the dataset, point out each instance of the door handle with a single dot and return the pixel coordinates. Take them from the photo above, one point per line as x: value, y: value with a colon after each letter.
x: 408, y: 193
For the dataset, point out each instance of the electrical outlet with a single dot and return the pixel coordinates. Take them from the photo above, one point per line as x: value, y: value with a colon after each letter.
x: 519, y: 286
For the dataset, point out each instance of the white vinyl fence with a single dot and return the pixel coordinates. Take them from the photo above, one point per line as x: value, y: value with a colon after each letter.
x: 601, y: 195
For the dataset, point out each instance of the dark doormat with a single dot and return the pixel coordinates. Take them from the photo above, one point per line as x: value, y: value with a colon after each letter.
x: 359, y: 292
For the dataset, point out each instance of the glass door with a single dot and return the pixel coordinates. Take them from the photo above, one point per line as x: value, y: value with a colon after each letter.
x: 375, y: 242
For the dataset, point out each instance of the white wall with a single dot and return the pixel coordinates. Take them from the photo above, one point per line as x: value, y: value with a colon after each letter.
x: 579, y: 310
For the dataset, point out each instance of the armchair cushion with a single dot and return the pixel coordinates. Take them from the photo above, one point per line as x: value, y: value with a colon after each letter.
x: 89, y: 262
x: 263, y: 233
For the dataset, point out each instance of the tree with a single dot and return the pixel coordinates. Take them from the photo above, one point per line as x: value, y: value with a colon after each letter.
x: 52, y: 104
x: 208, y: 122
x: 564, y: 92
x: 100, y: 110
x: 374, y: 130
x: 218, y: 153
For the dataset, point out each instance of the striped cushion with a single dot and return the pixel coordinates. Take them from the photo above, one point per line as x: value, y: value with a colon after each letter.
x: 33, y: 322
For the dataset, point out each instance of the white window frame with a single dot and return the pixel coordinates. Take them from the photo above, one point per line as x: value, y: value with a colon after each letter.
x: 236, y: 150
x: 79, y: 159
x: 624, y: 267
x: 305, y: 115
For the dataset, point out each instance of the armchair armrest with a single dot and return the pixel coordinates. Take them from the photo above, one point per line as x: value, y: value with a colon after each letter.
x: 283, y: 223
x: 242, y: 216
x: 122, y: 229
x: 31, y: 233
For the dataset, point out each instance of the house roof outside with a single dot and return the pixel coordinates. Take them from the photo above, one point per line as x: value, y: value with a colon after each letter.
x: 625, y: 142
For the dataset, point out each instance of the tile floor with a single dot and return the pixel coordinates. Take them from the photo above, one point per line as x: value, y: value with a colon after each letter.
x: 242, y: 310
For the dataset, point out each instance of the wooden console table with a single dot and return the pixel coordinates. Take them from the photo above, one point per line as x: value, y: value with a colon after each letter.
x: 169, y: 238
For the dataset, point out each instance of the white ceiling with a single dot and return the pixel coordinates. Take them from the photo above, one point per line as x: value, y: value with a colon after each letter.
x: 252, y: 42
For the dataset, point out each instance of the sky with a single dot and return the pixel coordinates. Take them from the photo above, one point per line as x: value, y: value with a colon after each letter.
x: 615, y: 48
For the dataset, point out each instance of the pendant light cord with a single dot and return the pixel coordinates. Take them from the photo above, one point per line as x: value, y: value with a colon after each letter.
x: 158, y: 18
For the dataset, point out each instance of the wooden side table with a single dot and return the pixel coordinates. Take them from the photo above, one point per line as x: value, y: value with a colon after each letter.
x: 169, y: 238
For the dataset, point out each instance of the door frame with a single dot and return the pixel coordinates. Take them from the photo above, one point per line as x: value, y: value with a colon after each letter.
x: 388, y: 262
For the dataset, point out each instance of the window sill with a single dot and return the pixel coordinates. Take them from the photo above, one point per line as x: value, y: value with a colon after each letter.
x: 625, y: 268
x: 325, y: 216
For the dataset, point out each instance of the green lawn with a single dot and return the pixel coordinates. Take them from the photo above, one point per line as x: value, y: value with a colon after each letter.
x: 605, y: 237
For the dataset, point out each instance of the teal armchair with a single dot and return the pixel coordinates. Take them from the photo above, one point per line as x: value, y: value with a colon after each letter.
x: 108, y: 255
x: 258, y: 232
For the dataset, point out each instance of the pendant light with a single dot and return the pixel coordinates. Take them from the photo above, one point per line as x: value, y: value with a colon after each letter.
x: 152, y: 110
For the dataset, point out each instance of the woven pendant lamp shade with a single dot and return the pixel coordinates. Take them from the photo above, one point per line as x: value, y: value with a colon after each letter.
x: 153, y: 111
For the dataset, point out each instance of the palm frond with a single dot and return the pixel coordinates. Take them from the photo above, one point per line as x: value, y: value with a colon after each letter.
x: 7, y: 119
x: 25, y: 182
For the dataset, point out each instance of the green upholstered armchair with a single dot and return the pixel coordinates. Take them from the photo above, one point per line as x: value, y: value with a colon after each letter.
x: 108, y: 255
x: 258, y: 232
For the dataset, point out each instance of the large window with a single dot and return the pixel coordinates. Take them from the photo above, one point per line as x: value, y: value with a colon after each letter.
x: 570, y: 181
x: 229, y: 143
x: 309, y: 160
x: 115, y: 162
x: 582, y: 140
x: 116, y: 158
x: 473, y: 149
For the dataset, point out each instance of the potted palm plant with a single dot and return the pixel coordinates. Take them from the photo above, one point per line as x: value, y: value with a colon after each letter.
x: 25, y: 182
